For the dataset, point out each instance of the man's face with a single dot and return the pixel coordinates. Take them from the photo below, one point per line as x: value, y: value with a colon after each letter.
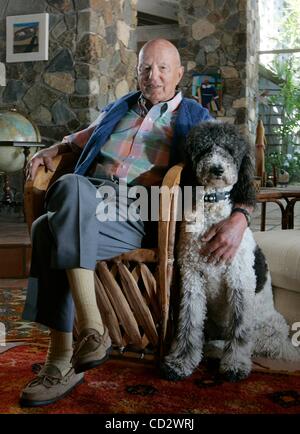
x: 159, y: 72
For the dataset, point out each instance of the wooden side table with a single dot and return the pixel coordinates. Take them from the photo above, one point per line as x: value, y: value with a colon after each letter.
x: 285, y: 197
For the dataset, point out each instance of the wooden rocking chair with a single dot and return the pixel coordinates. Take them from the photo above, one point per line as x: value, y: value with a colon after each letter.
x: 132, y: 289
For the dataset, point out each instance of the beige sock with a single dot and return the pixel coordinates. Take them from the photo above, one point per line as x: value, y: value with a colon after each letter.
x: 82, y: 285
x: 60, y: 350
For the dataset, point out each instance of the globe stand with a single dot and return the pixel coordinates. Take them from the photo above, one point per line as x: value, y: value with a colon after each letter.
x: 8, y: 197
x: 9, y: 204
x: 8, y: 201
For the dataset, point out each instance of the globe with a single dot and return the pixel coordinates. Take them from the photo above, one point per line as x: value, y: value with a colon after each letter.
x: 15, y: 127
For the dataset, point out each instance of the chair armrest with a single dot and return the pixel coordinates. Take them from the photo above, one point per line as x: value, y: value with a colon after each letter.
x: 167, y: 211
x: 166, y: 240
x: 35, y: 191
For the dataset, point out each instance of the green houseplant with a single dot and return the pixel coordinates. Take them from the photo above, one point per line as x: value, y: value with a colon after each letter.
x: 288, y: 158
x: 287, y: 69
x: 280, y: 161
x: 288, y: 97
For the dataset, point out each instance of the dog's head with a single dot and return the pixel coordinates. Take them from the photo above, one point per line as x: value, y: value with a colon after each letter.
x: 215, y: 152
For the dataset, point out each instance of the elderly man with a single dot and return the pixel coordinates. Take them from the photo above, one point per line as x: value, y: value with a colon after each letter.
x: 136, y: 139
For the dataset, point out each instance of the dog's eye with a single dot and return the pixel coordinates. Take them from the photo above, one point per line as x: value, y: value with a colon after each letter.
x: 200, y: 155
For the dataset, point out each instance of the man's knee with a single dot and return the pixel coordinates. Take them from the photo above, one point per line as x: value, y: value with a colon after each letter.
x: 64, y: 188
x: 66, y: 182
x: 40, y: 231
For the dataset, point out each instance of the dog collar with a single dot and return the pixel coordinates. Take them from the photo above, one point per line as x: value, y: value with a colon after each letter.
x: 216, y: 197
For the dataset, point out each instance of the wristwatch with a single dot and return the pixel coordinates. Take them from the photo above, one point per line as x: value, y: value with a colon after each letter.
x: 245, y: 212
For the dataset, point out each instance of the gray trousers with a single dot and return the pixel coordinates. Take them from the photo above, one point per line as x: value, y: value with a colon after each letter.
x: 69, y: 235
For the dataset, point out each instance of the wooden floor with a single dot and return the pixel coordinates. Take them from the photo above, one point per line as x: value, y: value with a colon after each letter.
x: 14, y: 233
x: 15, y: 249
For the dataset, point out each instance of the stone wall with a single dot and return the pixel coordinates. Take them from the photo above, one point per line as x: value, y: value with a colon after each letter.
x: 222, y: 36
x: 92, y: 60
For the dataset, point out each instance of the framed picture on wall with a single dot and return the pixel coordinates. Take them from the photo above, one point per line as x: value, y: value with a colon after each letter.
x: 208, y: 90
x: 27, y: 38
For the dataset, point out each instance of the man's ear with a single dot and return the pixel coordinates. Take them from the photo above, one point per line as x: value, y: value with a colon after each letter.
x: 180, y: 74
x: 137, y: 77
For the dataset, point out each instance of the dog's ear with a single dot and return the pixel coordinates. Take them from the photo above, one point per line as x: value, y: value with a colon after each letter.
x: 188, y: 176
x: 243, y: 191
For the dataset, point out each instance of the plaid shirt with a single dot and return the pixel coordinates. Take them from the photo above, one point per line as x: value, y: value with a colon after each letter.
x: 79, y: 139
x: 138, y: 149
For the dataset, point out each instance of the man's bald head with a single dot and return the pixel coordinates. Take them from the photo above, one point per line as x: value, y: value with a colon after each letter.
x: 161, y: 44
x: 159, y: 70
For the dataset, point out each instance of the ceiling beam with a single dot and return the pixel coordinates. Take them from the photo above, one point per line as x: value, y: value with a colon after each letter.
x: 160, y: 8
x: 166, y: 31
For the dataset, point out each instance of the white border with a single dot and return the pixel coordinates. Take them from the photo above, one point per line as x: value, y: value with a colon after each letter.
x: 42, y: 54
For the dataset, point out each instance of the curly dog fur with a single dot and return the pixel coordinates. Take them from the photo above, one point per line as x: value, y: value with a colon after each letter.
x: 228, y: 302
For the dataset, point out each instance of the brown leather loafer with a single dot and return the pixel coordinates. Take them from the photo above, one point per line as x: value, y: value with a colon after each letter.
x: 91, y: 350
x: 49, y: 386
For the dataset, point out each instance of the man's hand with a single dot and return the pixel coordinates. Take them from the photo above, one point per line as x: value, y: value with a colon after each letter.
x: 44, y: 158
x: 223, y: 239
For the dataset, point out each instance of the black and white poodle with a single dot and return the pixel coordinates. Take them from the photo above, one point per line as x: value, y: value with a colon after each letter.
x: 232, y: 303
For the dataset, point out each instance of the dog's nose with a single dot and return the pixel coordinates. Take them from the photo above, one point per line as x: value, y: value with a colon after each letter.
x: 217, y: 170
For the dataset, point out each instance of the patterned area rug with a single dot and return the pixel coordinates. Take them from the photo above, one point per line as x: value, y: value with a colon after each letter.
x: 135, y: 388
x: 11, y: 308
x: 130, y: 387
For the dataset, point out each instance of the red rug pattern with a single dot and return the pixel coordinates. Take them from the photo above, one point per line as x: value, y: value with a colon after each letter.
x: 11, y: 307
x: 135, y: 388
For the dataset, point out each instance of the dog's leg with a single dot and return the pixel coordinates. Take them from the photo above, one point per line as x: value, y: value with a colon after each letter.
x: 236, y: 360
x: 186, y: 349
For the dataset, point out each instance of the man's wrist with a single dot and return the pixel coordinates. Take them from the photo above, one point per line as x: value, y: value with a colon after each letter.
x: 243, y: 211
x: 63, y: 148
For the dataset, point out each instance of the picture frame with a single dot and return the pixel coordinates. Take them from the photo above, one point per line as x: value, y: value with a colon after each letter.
x: 207, y: 89
x: 27, y: 37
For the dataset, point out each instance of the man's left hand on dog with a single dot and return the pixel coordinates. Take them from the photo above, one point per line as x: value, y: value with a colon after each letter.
x: 223, y: 239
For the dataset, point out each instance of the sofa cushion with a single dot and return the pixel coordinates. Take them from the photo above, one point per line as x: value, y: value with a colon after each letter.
x: 282, y: 251
x: 287, y: 303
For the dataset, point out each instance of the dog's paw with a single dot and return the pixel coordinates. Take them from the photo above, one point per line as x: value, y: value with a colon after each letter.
x: 234, y: 376
x: 169, y: 373
x: 235, y: 369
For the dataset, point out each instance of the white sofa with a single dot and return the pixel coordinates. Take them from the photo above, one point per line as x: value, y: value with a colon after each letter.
x: 282, y: 250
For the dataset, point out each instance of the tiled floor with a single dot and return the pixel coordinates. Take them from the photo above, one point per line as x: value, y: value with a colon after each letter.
x: 14, y: 230
x: 273, y: 217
